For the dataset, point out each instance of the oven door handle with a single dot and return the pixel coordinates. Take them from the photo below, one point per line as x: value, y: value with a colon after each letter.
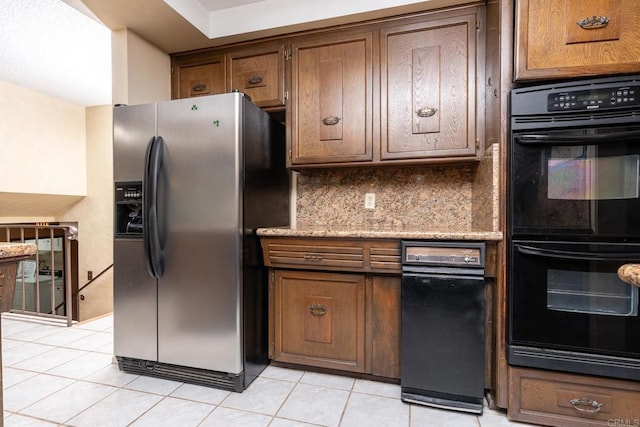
x: 545, y: 139
x: 590, y: 256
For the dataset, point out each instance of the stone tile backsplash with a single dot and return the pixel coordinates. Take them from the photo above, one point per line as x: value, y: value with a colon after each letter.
x: 454, y: 197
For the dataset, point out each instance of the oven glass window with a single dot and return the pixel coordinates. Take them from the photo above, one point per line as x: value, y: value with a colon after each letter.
x: 576, y: 189
x: 577, y: 173
x: 590, y: 292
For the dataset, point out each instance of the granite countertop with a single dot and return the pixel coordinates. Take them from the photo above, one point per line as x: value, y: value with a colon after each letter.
x: 15, y: 250
x: 630, y: 273
x: 380, y: 234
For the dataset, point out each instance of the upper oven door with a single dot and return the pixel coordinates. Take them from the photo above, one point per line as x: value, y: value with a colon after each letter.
x: 576, y: 182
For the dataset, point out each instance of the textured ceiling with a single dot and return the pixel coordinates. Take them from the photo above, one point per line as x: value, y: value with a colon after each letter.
x: 62, y: 48
x: 49, y: 47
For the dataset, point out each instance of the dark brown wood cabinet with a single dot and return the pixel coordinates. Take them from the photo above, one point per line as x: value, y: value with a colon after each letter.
x: 335, y: 303
x: 428, y: 89
x: 197, y: 74
x: 319, y: 319
x: 258, y: 71
x: 385, y: 326
x: 576, y: 38
x: 569, y: 400
x: 428, y: 103
x: 331, y: 117
x: 397, y: 90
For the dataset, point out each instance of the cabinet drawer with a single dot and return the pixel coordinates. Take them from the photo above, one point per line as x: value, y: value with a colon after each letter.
x: 385, y: 258
x: 359, y: 255
x: 328, y: 256
x: 558, y: 399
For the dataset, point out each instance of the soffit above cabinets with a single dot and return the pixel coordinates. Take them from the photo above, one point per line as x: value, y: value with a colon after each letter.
x: 182, y: 25
x: 223, y: 18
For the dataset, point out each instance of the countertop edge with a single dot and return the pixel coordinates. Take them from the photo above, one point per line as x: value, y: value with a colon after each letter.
x: 374, y: 234
x: 8, y: 251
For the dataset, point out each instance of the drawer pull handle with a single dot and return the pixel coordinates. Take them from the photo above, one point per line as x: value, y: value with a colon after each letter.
x: 254, y: 80
x: 199, y: 87
x: 426, y: 112
x: 594, y: 22
x: 583, y: 404
x: 313, y: 257
x: 330, y: 120
x: 318, y: 309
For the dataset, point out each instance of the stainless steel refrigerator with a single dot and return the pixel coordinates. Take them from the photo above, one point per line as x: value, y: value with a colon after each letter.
x: 194, y: 179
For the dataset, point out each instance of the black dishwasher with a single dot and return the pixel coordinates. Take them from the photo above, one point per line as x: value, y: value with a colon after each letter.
x: 443, y: 304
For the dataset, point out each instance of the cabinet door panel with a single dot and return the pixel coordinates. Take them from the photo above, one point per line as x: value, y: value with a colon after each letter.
x: 260, y: 74
x: 428, y: 89
x: 331, y: 114
x: 576, y: 38
x: 385, y: 352
x: 319, y: 319
x: 201, y: 80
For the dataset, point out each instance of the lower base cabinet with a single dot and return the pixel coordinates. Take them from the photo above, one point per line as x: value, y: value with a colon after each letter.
x: 566, y: 400
x: 335, y: 304
x: 319, y: 319
x: 343, y: 321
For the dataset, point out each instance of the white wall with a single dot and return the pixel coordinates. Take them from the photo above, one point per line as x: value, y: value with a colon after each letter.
x: 42, y: 143
x: 94, y: 216
x: 141, y: 72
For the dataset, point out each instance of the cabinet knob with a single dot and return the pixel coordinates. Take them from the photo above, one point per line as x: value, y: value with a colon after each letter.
x: 594, y: 22
x: 318, y: 309
x: 586, y: 405
x: 330, y: 120
x: 426, y: 112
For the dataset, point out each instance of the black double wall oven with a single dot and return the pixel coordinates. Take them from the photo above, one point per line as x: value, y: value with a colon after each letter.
x: 574, y: 219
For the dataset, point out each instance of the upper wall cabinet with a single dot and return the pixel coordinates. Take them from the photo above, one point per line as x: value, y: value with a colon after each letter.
x: 397, y: 90
x: 255, y: 69
x: 197, y: 75
x: 573, y: 38
x: 259, y: 73
x: 428, y: 89
x: 331, y: 120
x: 425, y: 107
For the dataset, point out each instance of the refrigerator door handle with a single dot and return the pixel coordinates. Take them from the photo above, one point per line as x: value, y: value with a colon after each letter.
x: 151, y: 233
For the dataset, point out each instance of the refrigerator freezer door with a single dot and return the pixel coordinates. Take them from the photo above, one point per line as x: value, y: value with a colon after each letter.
x: 133, y: 127
x: 199, y: 295
x: 135, y: 292
x: 134, y: 303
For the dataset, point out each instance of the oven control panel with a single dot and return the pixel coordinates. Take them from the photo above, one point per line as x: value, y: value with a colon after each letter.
x: 443, y: 254
x: 597, y: 98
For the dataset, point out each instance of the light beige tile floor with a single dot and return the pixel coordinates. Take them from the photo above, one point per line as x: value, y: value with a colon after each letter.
x: 59, y: 376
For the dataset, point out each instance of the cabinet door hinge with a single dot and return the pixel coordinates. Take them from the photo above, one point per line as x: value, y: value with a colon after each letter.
x: 172, y: 70
x: 477, y: 144
x: 286, y: 95
x: 273, y: 277
x: 289, y: 154
x: 287, y: 54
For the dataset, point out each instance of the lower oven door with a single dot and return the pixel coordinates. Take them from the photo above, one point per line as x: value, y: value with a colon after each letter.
x: 569, y: 310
